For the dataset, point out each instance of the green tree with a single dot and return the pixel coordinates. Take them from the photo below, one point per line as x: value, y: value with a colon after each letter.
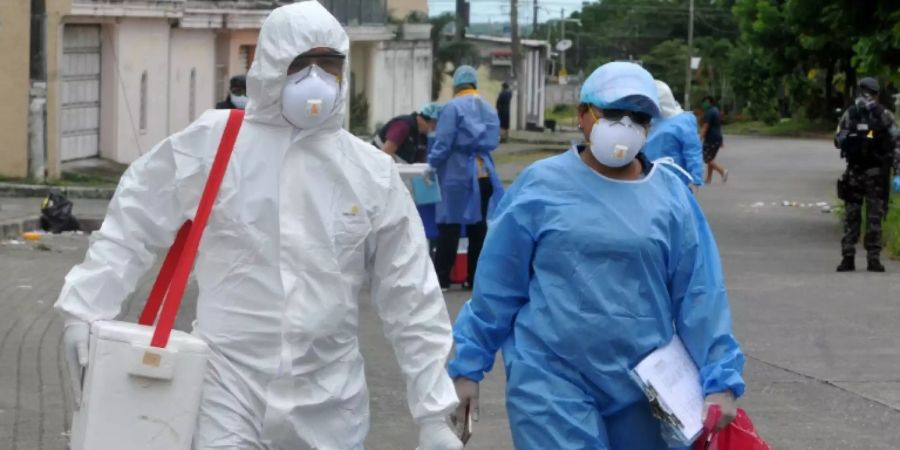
x: 452, y: 52
x: 667, y: 62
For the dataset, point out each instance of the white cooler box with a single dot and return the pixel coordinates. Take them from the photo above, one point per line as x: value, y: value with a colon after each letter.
x: 138, y: 397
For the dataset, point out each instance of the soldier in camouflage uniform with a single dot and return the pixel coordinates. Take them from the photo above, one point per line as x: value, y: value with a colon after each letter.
x: 869, y: 139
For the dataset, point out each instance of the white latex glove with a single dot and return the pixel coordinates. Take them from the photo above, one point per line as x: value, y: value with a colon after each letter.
x: 436, y: 434
x: 467, y: 391
x: 726, y: 403
x: 76, y: 334
x: 429, y: 173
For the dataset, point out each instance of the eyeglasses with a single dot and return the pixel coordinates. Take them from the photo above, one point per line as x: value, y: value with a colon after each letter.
x: 333, y: 64
x: 615, y: 115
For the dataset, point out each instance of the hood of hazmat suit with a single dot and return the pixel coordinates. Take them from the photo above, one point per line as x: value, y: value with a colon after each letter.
x: 302, y: 222
x: 674, y: 135
x: 668, y: 107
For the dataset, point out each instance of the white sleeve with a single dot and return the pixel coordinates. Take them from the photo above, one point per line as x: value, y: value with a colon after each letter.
x: 155, y: 196
x: 409, y: 301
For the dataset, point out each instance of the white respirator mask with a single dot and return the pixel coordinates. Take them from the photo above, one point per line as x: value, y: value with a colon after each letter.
x: 310, y: 97
x: 616, y: 143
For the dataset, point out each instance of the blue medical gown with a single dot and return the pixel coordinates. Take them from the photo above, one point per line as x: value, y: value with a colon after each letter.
x: 467, y: 127
x: 580, y: 278
x: 677, y: 138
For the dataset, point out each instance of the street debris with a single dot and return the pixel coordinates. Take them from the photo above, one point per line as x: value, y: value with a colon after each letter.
x: 824, y: 207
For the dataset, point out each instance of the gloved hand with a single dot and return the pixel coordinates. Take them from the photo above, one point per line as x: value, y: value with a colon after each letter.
x: 429, y: 174
x: 896, y: 183
x: 436, y: 434
x: 726, y: 403
x: 467, y: 391
x: 76, y: 334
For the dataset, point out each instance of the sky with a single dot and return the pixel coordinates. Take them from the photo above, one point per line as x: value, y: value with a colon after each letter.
x: 483, y: 11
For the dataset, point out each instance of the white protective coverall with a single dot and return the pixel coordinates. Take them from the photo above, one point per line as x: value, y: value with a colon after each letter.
x: 302, y: 222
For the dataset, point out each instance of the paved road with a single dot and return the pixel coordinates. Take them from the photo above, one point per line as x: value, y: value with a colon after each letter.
x: 824, y: 350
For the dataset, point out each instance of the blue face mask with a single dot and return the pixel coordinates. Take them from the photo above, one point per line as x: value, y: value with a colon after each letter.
x: 239, y: 101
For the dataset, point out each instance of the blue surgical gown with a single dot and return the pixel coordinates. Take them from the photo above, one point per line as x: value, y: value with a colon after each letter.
x: 677, y: 138
x: 580, y: 278
x: 467, y: 128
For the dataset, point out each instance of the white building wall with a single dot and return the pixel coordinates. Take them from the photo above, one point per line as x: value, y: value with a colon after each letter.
x: 399, y: 80
x: 134, y: 47
x: 192, y: 50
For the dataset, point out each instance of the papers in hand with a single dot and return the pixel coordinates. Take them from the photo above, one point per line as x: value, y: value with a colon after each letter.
x: 671, y: 381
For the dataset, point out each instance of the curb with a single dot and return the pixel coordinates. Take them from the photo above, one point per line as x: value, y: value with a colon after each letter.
x: 41, y: 190
x: 13, y: 229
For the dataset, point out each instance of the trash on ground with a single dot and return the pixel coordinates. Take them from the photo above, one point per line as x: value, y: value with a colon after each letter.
x: 31, y: 236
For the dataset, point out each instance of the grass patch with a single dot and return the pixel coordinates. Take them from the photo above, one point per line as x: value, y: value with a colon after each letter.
x: 788, y: 127
x: 524, y: 157
x: 564, y: 115
x: 891, y: 228
x: 90, y: 180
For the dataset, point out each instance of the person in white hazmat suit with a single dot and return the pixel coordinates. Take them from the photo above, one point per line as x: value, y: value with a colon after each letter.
x: 306, y: 215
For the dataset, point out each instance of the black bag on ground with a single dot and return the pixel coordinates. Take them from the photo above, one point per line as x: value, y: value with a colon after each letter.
x: 56, y: 214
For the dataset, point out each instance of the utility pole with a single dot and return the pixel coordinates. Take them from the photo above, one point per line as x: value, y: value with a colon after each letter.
x: 534, y: 21
x: 688, y: 71
x: 518, y: 87
x: 462, y: 15
x: 37, y: 117
x: 562, y: 36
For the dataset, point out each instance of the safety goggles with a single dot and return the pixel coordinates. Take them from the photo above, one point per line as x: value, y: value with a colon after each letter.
x: 615, y: 115
x: 331, y: 63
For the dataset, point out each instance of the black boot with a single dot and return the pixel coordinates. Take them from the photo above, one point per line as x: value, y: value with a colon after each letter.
x: 875, y: 265
x: 847, y: 265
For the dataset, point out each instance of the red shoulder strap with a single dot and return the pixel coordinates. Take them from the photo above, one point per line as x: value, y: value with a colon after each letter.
x: 173, y: 277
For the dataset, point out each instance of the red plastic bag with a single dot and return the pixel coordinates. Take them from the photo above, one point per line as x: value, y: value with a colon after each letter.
x: 738, y: 435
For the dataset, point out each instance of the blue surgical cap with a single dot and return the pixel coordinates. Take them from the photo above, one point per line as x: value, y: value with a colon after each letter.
x: 431, y: 110
x: 465, y: 75
x: 621, y: 85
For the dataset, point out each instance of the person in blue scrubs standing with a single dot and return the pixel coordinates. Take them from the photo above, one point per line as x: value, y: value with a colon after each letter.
x: 468, y: 130
x: 675, y: 135
x: 594, y: 259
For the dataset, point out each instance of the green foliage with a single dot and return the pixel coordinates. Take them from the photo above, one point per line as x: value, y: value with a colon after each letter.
x: 787, y: 127
x: 891, y: 228
x: 359, y: 114
x: 667, y: 61
x: 454, y: 53
x: 766, y: 59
